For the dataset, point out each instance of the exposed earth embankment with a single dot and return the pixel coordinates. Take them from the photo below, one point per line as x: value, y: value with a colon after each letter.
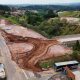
x: 27, y: 51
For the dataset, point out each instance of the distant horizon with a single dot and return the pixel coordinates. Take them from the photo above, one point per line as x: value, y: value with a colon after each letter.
x: 38, y: 2
x: 42, y: 4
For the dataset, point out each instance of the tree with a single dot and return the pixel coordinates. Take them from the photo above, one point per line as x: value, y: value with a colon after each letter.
x: 34, y: 18
x: 75, y: 54
x: 76, y: 49
x: 4, y: 8
x: 50, y: 14
x: 76, y: 46
x: 7, y: 14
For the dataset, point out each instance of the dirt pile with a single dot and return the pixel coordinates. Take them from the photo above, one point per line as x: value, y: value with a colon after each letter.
x: 34, y: 51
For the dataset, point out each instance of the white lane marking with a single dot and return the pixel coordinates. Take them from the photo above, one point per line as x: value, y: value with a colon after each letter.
x: 31, y: 74
x: 24, y: 74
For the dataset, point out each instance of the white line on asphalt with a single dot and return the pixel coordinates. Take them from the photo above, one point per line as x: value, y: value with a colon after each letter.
x: 24, y: 74
x: 31, y: 74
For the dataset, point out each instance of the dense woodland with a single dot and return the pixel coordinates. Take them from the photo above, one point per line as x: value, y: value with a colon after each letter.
x: 3, y: 7
x: 68, y: 7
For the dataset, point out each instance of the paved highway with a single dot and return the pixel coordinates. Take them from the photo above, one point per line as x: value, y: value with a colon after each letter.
x: 68, y: 38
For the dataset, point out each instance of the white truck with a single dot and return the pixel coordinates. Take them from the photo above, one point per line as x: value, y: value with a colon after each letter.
x: 2, y: 72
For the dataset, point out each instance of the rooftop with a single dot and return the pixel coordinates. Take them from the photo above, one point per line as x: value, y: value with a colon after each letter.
x: 66, y: 63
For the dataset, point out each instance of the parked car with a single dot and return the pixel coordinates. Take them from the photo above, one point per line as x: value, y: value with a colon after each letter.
x: 2, y: 72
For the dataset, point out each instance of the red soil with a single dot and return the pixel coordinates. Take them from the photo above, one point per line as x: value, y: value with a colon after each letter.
x: 34, y: 51
x: 28, y: 47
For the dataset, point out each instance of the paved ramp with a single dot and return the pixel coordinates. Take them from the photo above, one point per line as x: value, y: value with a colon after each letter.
x: 77, y: 75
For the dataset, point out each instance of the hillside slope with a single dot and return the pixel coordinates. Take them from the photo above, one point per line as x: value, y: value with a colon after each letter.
x: 28, y: 51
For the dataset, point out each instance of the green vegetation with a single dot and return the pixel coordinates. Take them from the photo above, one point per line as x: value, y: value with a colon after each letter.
x: 48, y: 26
x: 50, y: 63
x: 46, y: 22
x: 65, y: 7
x: 74, y: 56
x: 76, y: 46
x: 13, y: 19
x: 76, y: 50
x: 70, y: 14
x: 47, y: 64
x: 4, y: 8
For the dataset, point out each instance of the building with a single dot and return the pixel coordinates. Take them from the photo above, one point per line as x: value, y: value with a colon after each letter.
x: 59, y: 66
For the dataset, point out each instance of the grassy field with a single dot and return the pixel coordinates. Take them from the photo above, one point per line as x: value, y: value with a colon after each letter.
x: 69, y: 14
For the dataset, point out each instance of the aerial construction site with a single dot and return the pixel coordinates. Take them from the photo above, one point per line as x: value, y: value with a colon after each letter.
x: 28, y: 48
